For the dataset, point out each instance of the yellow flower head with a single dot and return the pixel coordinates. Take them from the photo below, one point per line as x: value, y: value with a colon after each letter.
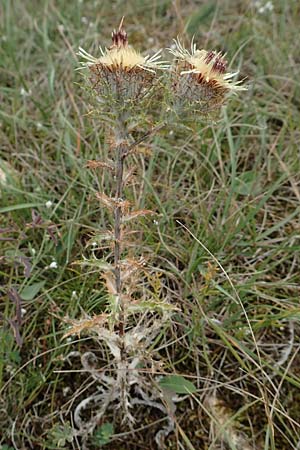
x: 121, y: 69
x: 201, y: 77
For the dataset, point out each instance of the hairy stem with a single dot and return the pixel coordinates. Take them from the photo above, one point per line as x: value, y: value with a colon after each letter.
x: 120, y: 155
x: 117, y: 230
x: 121, y: 148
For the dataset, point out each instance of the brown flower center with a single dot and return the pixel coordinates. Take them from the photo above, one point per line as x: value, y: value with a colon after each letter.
x: 219, y: 63
x: 119, y: 37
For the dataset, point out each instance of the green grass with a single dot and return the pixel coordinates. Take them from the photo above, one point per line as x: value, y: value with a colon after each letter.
x: 227, y: 239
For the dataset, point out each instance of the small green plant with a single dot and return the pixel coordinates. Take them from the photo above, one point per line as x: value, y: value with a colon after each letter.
x: 103, y: 434
x: 60, y: 435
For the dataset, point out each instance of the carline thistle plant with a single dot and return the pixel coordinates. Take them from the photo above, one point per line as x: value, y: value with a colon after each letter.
x: 121, y: 76
x: 121, y: 79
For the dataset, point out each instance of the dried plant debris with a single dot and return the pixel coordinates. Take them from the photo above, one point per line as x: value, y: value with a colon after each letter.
x: 224, y: 428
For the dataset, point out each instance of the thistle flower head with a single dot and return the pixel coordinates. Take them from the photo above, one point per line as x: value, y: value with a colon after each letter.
x: 201, y: 77
x: 121, y: 70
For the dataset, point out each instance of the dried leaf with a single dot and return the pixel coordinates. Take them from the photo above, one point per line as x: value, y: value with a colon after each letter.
x: 123, y: 204
x: 16, y: 322
x: 98, y: 263
x: 93, y: 164
x: 52, y: 234
x: 110, y: 283
x: 87, y: 324
x: 126, y: 243
x: 112, y: 203
x: 106, y: 201
x: 137, y: 213
x: 27, y: 266
x: 16, y: 329
x: 15, y: 297
x: 138, y: 306
x: 130, y: 266
x: 131, y: 262
x: 36, y: 219
x: 128, y: 176
x: 7, y: 230
x: 142, y: 150
x: 104, y: 236
x: 225, y: 426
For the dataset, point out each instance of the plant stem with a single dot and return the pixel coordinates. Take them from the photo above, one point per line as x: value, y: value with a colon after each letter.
x: 122, y: 150
x: 119, y: 170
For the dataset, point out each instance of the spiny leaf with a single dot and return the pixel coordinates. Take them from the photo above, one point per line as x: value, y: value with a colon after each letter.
x: 141, y: 150
x: 131, y: 265
x: 98, y: 263
x: 104, y: 236
x: 128, y: 176
x: 106, y: 201
x: 93, y: 164
x: 142, y: 306
x: 111, y: 203
x: 86, y: 324
x: 110, y: 283
x: 137, y: 213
